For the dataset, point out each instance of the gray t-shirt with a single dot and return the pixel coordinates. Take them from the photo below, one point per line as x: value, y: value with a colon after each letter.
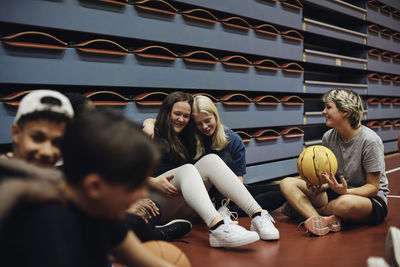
x: 364, y: 153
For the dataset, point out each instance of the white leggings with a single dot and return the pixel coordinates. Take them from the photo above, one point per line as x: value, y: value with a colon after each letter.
x: 194, y: 181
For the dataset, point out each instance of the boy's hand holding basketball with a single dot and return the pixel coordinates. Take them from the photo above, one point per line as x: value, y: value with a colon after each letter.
x: 315, y: 189
x: 334, y: 185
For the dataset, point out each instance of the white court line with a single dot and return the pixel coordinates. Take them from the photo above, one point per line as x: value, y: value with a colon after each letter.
x: 393, y: 170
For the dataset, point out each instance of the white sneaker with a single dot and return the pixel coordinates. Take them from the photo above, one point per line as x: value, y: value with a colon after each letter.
x: 226, y: 213
x: 393, y: 246
x: 264, y: 226
x: 376, y: 262
x: 230, y: 234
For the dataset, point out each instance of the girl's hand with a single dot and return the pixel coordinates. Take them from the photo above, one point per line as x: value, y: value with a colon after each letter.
x: 148, y: 127
x: 163, y: 185
x: 334, y: 185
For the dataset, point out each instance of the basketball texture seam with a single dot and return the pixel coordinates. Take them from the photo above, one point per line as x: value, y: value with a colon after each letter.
x: 315, y: 167
x: 315, y: 161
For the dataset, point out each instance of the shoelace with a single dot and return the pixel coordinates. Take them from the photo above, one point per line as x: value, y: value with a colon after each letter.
x: 224, y: 204
x: 232, y: 226
x: 303, y: 222
x: 265, y: 214
x: 226, y: 213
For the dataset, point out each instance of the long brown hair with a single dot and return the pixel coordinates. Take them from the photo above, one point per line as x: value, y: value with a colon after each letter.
x: 170, y: 140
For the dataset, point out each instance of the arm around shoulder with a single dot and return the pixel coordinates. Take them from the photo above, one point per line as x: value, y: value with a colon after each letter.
x: 148, y: 127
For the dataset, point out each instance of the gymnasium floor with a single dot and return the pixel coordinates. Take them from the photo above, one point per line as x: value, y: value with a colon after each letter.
x: 350, y: 247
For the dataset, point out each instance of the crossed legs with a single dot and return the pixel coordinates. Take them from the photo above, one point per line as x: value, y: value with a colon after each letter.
x: 347, y: 207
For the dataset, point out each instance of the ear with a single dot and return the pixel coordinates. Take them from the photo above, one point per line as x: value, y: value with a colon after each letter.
x: 94, y: 186
x: 15, y: 131
x: 345, y: 114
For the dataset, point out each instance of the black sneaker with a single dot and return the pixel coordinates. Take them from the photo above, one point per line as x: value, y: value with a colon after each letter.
x: 173, y: 230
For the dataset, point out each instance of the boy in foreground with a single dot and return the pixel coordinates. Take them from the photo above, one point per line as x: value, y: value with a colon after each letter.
x: 107, y: 161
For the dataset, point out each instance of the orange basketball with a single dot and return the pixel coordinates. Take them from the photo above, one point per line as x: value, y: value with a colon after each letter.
x: 314, y: 161
x: 168, y: 252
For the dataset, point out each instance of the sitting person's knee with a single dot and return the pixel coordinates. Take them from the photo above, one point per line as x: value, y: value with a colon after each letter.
x: 188, y: 167
x: 211, y: 157
x: 287, y: 184
x: 345, y: 207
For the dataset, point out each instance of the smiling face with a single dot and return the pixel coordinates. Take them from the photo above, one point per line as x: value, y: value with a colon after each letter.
x: 39, y: 141
x: 334, y: 117
x: 205, y: 123
x: 180, y: 115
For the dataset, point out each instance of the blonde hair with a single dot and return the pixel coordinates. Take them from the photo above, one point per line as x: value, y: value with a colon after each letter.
x: 349, y: 101
x: 203, y: 104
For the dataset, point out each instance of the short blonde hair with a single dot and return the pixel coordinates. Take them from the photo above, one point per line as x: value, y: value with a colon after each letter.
x: 203, y: 104
x: 349, y: 101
